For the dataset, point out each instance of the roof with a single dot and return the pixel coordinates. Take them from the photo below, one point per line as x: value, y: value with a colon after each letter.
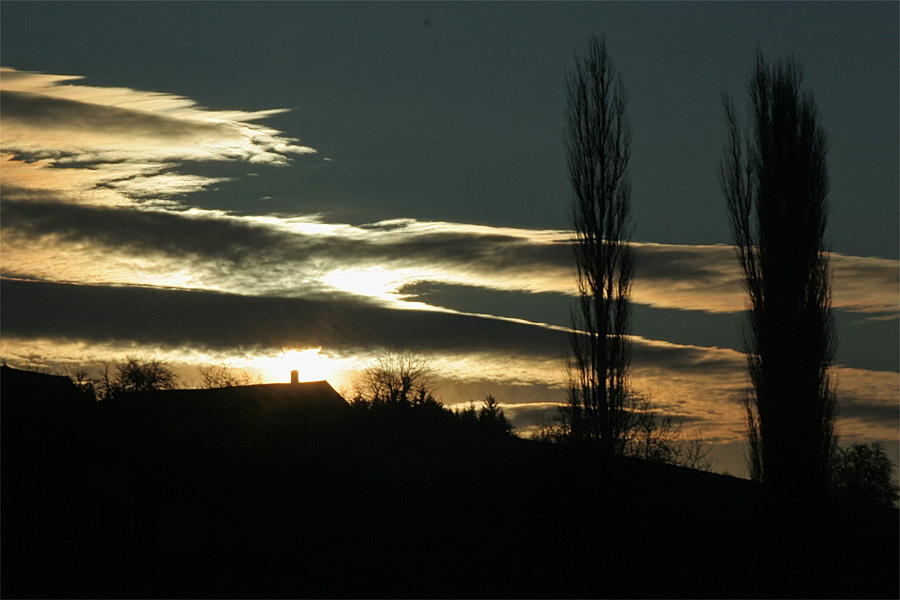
x: 311, y: 394
x: 232, y: 413
x: 35, y: 391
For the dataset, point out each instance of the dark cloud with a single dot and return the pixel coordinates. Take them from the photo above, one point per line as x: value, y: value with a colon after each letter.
x: 194, y: 319
x: 256, y: 257
x: 168, y: 232
x: 487, y: 250
x: 878, y: 415
x: 691, y: 327
x: 680, y: 263
x: 867, y: 344
x: 546, y: 307
x: 73, y: 115
x: 686, y: 360
x: 177, y: 318
x: 177, y: 233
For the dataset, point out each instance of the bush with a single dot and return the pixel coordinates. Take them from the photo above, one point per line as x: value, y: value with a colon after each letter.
x: 864, y: 472
x: 136, y: 374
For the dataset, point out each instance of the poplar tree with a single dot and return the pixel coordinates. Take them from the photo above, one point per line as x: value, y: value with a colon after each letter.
x: 774, y: 177
x: 597, y: 141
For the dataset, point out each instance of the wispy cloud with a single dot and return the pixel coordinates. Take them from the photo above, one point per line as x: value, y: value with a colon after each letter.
x: 123, y: 136
x: 866, y: 284
x: 102, y: 254
x: 289, y: 256
x: 701, y: 384
x: 67, y: 145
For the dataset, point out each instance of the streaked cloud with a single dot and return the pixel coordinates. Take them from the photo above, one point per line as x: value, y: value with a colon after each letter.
x: 102, y: 254
x: 700, y: 384
x: 90, y: 170
x: 289, y: 255
x: 124, y: 136
x: 866, y: 284
x: 708, y: 278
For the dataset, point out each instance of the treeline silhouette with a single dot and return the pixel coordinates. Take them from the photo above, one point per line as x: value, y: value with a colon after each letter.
x: 286, y: 490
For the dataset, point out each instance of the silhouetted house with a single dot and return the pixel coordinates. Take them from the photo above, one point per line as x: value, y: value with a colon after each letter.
x: 231, y: 418
x: 198, y: 433
x: 145, y: 470
x: 34, y: 391
x: 265, y: 397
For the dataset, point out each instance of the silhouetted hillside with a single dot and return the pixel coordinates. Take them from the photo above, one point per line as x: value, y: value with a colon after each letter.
x: 287, y: 491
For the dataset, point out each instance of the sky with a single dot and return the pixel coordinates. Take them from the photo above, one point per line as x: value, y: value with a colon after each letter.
x: 305, y: 185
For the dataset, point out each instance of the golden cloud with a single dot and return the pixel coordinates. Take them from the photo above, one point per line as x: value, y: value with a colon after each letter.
x: 120, y: 135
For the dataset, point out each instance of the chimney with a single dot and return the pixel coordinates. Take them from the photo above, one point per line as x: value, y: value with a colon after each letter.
x: 295, y: 376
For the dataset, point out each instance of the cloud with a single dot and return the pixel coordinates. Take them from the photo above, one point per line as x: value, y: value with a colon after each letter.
x: 254, y: 255
x: 92, y: 171
x: 516, y: 361
x: 287, y: 255
x: 47, y: 122
x: 100, y: 253
x: 215, y: 320
x: 866, y: 284
x: 867, y: 403
x: 332, y: 320
x: 99, y: 123
x: 688, y: 277
x: 707, y: 278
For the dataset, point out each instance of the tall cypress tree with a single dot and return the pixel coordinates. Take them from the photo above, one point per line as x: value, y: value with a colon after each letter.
x: 775, y: 179
x: 597, y: 141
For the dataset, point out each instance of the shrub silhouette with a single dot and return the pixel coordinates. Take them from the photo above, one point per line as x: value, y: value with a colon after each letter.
x: 224, y: 375
x: 135, y: 374
x: 864, y: 472
x: 492, y: 419
x: 395, y: 378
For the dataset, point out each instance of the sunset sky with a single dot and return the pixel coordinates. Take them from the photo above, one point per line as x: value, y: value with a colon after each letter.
x: 301, y: 185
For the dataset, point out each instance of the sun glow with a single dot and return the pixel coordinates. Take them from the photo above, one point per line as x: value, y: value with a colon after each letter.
x: 310, y: 363
x: 374, y: 281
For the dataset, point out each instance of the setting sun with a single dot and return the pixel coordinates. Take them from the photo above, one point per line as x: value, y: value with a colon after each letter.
x: 309, y: 363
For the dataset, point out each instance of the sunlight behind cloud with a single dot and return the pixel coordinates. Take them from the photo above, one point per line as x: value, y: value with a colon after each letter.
x: 163, y: 244
x: 310, y: 364
x: 373, y: 282
x: 93, y: 196
x: 701, y: 385
x: 378, y: 283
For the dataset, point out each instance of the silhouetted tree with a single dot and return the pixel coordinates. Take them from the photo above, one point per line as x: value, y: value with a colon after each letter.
x: 775, y: 180
x: 83, y: 379
x: 468, y: 415
x: 488, y: 421
x: 136, y: 374
x: 492, y: 418
x: 395, y: 378
x: 551, y: 429
x: 597, y: 140
x: 649, y: 433
x: 864, y: 472
x: 224, y: 375
x: 694, y: 453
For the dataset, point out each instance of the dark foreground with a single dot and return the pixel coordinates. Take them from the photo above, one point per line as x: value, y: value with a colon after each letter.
x: 270, y: 492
